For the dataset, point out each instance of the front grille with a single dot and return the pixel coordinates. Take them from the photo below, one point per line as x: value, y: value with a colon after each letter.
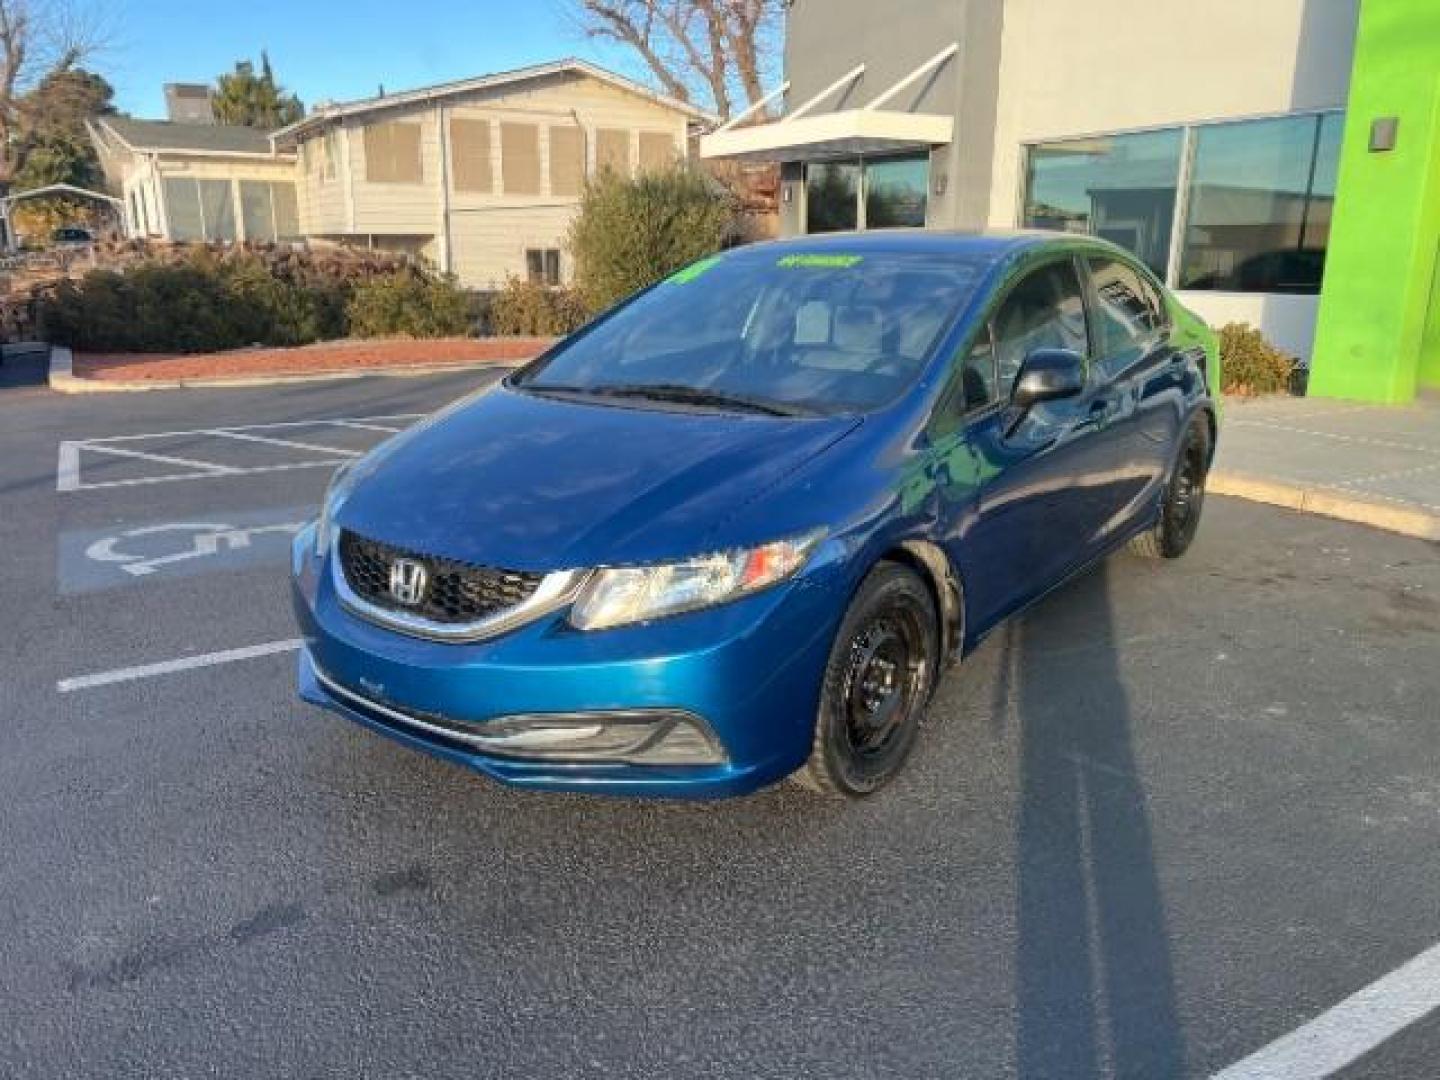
x: 454, y: 592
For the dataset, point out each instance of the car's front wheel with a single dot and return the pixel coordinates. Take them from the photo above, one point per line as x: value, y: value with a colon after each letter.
x: 1184, y: 499
x: 877, y: 684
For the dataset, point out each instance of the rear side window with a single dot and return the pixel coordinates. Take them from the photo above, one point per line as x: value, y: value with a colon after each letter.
x: 1044, y: 311
x: 1128, y: 312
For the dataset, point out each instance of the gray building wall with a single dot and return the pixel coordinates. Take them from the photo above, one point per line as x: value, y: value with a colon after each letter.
x: 826, y: 38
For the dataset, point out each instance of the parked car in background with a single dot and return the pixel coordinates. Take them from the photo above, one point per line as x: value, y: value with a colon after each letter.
x: 735, y: 529
x: 71, y: 236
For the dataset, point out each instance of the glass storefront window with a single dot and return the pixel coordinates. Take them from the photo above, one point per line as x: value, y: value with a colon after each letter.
x: 1120, y: 187
x: 895, y: 192
x: 832, y: 196
x: 1261, y: 196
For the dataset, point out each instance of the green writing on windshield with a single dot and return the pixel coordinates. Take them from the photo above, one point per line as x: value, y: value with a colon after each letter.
x: 828, y: 262
x: 693, y: 271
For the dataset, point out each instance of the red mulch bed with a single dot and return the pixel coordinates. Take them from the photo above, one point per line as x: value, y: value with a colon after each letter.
x: 306, y: 359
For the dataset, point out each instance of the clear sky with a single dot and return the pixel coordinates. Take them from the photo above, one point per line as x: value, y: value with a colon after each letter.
x: 337, y: 49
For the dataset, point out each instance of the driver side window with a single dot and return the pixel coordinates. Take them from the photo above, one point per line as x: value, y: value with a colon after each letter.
x: 1046, y: 310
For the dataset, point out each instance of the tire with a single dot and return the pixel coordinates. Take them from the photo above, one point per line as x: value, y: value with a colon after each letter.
x: 878, y: 680
x: 1184, y: 500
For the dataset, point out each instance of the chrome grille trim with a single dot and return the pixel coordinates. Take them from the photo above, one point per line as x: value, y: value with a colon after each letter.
x: 555, y: 590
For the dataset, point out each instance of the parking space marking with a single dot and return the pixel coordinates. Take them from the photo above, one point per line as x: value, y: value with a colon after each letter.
x: 292, y: 444
x: 1351, y: 1029
x: 69, y: 472
x: 358, y: 426
x: 163, y: 459
x: 169, y: 667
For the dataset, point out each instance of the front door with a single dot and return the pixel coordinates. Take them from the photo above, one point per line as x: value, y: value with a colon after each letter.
x: 1042, y: 496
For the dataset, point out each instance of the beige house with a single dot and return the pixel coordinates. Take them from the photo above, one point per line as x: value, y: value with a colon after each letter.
x: 190, y: 181
x: 480, y: 176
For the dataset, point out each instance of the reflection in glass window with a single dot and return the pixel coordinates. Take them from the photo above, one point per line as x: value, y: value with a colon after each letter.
x: 1261, y: 197
x: 1126, y: 317
x: 182, y: 207
x: 257, y: 212
x: 1044, y: 311
x: 217, y: 203
x: 1121, y: 187
x: 895, y: 192
x: 832, y: 196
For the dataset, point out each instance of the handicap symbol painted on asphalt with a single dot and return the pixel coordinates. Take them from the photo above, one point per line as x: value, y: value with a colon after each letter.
x: 151, y: 551
x: 208, y: 539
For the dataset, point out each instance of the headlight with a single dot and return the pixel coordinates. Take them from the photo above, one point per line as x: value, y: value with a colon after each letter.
x: 335, y: 496
x: 620, y: 595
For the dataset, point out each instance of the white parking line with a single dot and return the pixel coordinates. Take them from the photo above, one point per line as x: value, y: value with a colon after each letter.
x: 171, y: 477
x: 246, y: 436
x: 184, y: 663
x: 163, y: 459
x: 69, y: 472
x: 319, y: 422
x: 1351, y: 1029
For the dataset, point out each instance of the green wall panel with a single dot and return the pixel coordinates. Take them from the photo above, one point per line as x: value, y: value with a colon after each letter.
x: 1378, y: 334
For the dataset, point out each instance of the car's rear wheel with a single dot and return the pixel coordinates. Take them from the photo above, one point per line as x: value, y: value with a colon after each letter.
x: 1184, y: 499
x: 877, y: 684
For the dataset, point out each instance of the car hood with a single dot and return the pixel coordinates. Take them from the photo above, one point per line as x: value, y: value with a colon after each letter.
x: 511, y: 479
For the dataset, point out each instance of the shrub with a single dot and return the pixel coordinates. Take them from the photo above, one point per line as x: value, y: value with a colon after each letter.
x: 1251, y: 365
x: 196, y: 298
x: 631, y: 232
x: 407, y: 302
x: 527, y: 309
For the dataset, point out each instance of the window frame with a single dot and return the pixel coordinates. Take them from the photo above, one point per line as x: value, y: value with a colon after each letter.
x: 548, y: 259
x: 1159, y: 333
x: 862, y: 187
x: 1189, y: 132
x: 1017, y: 274
x: 384, y: 133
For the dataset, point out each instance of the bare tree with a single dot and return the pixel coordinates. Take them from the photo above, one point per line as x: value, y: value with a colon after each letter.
x: 39, y: 38
x: 716, y: 51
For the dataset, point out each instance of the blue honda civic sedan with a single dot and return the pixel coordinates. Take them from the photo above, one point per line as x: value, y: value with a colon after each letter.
x: 736, y: 528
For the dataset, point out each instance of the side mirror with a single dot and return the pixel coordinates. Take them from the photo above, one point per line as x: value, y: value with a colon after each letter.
x: 1047, y: 375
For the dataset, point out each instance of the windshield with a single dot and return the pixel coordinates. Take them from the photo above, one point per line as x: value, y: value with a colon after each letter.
x: 769, y: 330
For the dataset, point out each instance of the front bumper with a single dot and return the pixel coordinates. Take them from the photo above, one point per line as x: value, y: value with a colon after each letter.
x: 747, y: 672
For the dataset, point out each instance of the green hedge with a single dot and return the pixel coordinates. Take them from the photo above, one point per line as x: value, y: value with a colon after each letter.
x: 527, y: 309
x: 408, y: 303
x: 205, y: 303
x: 633, y: 231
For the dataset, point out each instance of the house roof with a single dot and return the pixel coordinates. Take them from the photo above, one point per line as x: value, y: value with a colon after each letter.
x: 570, y: 65
x: 166, y: 135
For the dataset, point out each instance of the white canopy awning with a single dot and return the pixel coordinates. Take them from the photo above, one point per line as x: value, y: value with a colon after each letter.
x: 847, y: 133
x: 831, y: 135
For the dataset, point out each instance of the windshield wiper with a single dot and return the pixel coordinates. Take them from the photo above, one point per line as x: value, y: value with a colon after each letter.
x: 702, y: 397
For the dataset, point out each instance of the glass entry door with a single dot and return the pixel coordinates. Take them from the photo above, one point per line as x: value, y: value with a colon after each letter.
x: 832, y: 196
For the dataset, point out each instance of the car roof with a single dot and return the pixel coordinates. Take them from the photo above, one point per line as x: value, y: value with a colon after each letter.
x: 990, y: 245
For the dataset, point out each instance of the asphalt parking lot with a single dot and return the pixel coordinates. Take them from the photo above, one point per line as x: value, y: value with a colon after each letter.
x: 1174, y: 814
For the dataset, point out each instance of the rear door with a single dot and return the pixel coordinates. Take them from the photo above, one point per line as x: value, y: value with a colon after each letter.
x: 1146, y: 374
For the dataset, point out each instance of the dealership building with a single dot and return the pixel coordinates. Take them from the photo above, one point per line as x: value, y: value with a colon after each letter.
x: 1276, y: 162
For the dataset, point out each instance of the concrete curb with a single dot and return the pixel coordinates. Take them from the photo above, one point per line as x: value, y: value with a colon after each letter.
x: 64, y: 380
x: 1327, y: 502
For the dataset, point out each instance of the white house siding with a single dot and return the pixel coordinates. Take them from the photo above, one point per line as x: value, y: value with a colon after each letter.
x: 321, y: 198
x: 484, y: 235
x: 488, y: 243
